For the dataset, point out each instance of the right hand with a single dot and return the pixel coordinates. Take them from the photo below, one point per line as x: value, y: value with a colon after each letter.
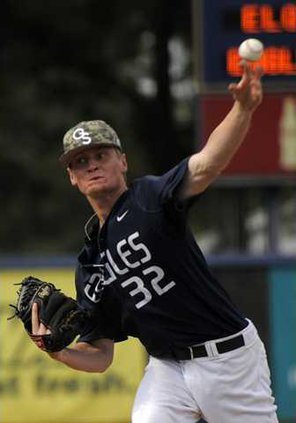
x: 248, y: 91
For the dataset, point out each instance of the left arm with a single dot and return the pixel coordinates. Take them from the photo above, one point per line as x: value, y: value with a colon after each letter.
x: 96, y: 356
x: 224, y: 141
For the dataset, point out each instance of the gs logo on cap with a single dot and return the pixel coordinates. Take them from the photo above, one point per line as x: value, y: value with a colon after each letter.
x: 81, y: 134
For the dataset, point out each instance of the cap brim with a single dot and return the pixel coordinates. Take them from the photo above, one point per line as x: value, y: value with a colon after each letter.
x: 66, y: 158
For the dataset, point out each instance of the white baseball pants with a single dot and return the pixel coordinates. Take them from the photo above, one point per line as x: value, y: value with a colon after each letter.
x: 233, y: 387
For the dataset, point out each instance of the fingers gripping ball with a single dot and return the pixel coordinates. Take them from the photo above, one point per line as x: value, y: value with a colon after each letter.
x: 251, y: 49
x: 59, y: 313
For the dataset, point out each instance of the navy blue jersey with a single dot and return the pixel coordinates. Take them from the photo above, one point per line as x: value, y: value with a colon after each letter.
x: 143, y: 275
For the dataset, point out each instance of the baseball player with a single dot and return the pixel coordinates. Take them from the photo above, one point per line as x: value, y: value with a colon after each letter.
x: 141, y: 274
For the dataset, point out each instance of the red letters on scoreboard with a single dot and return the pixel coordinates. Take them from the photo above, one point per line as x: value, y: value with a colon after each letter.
x: 265, y: 18
x: 275, y: 61
x: 262, y: 18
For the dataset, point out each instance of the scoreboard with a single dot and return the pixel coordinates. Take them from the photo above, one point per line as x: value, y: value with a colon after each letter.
x: 219, y: 28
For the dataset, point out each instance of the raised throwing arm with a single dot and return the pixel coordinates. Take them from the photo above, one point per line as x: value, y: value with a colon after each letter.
x: 224, y: 141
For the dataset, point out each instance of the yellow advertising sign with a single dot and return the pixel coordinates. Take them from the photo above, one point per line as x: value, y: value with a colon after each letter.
x: 35, y: 388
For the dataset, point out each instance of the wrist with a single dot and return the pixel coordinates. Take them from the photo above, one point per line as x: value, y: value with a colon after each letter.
x: 242, y: 110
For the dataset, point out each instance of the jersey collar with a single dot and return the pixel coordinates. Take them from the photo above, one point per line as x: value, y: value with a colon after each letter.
x: 92, y: 225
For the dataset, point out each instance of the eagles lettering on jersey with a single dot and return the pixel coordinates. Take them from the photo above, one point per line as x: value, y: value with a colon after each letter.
x: 142, y: 274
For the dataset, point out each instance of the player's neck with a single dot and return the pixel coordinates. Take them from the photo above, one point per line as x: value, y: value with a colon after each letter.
x: 102, y: 204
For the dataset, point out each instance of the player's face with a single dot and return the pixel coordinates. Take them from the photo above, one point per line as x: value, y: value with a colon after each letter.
x: 98, y: 171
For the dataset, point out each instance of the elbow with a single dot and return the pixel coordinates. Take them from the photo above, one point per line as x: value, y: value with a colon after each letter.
x: 206, y: 177
x: 95, y: 367
x: 102, y: 359
x: 98, y: 363
x: 212, y: 169
x: 101, y: 366
x: 202, y: 172
x: 212, y: 172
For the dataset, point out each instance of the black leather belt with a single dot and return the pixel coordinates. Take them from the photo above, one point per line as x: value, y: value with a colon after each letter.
x: 189, y: 353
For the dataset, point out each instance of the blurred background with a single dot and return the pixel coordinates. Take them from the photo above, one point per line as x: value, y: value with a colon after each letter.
x: 158, y: 72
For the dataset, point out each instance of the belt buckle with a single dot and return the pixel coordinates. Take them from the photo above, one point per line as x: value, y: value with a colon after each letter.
x: 191, y: 353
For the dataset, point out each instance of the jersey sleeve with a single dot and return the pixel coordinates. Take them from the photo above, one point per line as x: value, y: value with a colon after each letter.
x: 104, y: 325
x: 155, y: 193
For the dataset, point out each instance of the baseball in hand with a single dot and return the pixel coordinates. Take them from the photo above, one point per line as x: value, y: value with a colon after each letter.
x: 251, y: 49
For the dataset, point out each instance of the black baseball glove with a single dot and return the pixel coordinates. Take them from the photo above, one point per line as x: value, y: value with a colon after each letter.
x: 59, y: 313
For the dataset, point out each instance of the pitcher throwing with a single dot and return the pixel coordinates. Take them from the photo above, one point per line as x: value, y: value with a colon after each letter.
x: 142, y: 274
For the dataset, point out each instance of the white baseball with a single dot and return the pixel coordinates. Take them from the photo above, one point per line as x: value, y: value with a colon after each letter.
x: 251, y: 49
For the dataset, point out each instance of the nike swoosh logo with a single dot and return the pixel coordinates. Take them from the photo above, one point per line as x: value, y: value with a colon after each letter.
x: 119, y: 218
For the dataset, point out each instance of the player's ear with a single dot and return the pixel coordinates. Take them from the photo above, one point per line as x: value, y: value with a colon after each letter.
x: 124, y: 163
x: 71, y: 177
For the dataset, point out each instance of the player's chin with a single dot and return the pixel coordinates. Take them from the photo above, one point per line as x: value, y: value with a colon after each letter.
x: 94, y: 190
